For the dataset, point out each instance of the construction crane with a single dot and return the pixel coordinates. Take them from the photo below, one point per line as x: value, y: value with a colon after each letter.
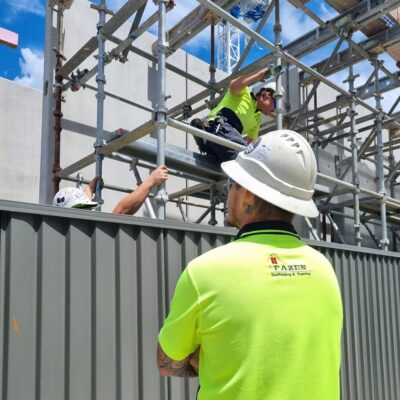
x: 229, y: 37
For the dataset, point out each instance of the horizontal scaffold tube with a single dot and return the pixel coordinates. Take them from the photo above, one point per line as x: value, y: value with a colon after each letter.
x: 212, y: 138
x: 203, y: 134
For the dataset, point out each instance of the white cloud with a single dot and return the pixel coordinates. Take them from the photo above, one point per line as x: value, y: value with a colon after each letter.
x: 31, y: 65
x: 179, y: 12
x: 295, y: 22
x: 36, y: 7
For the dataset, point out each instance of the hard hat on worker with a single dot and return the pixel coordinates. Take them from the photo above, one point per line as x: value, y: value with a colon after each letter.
x: 72, y: 197
x: 280, y: 168
x: 270, y: 86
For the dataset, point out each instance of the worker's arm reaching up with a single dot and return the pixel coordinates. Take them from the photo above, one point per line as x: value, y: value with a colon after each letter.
x: 131, y: 203
x: 239, y: 83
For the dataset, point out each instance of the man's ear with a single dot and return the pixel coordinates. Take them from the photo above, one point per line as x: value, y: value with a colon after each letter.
x: 248, y: 198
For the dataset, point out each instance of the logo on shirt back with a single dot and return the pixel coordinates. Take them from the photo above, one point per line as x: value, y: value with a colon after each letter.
x: 278, y: 267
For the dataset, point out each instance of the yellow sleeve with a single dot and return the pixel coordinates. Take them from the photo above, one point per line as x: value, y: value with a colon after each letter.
x: 179, y: 335
x: 252, y: 133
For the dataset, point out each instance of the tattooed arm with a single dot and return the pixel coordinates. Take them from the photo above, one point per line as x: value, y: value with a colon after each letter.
x: 169, y: 367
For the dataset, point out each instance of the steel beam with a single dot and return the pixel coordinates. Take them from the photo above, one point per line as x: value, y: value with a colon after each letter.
x: 375, y: 44
x: 361, y: 14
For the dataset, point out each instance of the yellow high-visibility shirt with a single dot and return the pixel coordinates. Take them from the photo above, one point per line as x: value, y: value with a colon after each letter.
x: 266, y: 312
x: 244, y: 106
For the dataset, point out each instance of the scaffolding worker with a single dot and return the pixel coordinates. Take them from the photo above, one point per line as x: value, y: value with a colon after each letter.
x: 260, y: 318
x: 239, y: 113
x: 72, y: 197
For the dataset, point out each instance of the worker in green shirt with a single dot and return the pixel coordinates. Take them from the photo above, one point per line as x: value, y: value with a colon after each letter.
x: 261, y: 317
x: 238, y: 115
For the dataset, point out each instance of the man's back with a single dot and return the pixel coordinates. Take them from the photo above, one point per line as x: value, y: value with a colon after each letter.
x: 268, y: 321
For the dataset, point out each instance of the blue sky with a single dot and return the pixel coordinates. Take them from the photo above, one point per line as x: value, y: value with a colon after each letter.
x: 27, y: 18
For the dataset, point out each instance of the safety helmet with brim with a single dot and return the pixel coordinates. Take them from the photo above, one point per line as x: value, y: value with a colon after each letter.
x: 280, y: 168
x: 72, y: 197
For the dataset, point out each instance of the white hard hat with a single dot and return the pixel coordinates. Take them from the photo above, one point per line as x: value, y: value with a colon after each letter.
x: 267, y: 85
x: 72, y: 197
x: 280, y: 168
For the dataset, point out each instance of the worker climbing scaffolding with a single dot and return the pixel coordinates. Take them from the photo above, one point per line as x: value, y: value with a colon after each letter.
x: 238, y: 115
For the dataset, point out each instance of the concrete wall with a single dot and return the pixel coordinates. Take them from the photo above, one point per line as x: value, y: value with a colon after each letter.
x: 20, y: 126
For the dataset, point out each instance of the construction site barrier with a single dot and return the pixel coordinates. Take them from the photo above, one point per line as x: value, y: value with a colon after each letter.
x: 83, y: 295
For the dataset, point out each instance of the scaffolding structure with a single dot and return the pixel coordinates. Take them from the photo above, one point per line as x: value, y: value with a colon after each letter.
x: 377, y: 19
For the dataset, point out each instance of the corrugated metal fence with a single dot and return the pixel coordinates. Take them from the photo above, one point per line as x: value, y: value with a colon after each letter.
x: 83, y: 296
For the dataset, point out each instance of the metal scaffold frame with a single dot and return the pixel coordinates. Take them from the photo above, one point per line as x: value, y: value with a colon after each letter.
x: 338, y: 194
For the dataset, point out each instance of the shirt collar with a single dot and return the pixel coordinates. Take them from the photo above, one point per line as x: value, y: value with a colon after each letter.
x: 267, y: 227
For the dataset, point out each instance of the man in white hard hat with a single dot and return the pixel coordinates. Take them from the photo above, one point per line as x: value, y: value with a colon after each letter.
x: 261, y: 317
x: 237, y: 117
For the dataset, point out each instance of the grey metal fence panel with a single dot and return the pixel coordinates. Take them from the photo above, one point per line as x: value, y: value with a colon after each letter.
x: 83, y: 295
x: 370, y: 284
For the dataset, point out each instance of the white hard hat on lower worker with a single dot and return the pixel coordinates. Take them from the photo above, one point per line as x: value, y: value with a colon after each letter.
x: 280, y: 168
x: 72, y: 197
